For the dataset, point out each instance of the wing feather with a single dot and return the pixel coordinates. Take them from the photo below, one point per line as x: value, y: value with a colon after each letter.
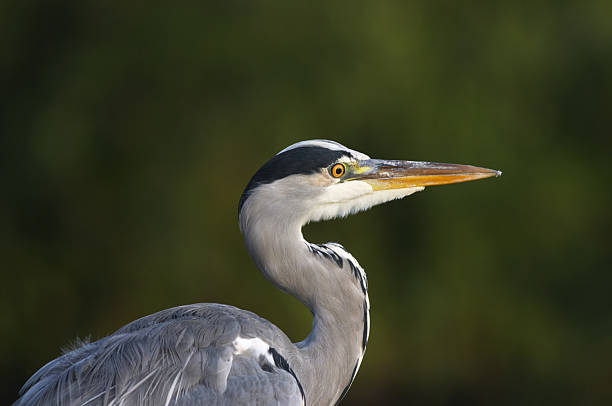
x: 181, y: 356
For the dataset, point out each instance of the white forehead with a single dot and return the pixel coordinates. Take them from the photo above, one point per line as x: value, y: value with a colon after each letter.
x: 332, y: 145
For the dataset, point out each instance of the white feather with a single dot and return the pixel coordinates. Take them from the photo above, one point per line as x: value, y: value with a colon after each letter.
x: 343, y: 199
x: 252, y: 347
x: 334, y: 146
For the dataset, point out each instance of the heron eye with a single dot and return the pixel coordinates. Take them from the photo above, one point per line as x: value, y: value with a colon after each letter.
x: 337, y: 170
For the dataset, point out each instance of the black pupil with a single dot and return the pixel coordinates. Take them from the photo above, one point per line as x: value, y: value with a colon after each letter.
x: 338, y: 170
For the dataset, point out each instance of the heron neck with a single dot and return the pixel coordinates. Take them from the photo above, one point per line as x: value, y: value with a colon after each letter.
x: 333, y: 350
x: 330, y: 288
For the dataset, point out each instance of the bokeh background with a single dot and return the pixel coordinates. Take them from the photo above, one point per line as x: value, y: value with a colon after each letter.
x: 128, y: 132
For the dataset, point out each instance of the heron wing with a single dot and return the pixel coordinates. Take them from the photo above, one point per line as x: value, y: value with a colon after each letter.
x: 181, y: 356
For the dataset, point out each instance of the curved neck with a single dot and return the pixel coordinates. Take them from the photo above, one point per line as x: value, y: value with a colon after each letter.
x: 329, y: 281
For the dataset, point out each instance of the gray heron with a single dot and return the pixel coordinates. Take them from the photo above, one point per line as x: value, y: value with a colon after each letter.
x: 215, y: 354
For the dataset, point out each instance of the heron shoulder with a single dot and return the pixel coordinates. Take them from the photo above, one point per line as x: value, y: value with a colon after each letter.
x: 213, y: 350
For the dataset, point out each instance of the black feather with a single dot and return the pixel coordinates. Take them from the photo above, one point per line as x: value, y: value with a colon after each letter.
x: 301, y: 160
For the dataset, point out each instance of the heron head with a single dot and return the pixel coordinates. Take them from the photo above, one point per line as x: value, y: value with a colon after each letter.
x: 320, y: 179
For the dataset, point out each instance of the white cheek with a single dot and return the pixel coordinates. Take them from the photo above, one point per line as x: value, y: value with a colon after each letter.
x: 343, y: 199
x: 345, y: 191
x: 319, y: 180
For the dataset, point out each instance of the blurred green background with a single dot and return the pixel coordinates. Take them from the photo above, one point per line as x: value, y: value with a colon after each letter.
x: 129, y: 131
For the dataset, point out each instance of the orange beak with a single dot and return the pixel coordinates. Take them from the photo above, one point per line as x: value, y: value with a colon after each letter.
x: 383, y: 174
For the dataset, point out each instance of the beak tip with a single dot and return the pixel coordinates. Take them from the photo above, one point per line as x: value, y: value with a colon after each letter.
x: 498, y: 174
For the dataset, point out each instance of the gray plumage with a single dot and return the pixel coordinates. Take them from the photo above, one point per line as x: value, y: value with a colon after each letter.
x: 213, y: 354
x: 179, y: 356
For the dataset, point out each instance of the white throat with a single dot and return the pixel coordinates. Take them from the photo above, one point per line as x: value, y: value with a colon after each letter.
x: 325, y: 278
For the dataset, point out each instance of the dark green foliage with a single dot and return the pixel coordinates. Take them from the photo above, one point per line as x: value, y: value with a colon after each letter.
x: 127, y: 134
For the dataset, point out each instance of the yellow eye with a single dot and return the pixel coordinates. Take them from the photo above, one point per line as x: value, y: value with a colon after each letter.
x: 337, y: 170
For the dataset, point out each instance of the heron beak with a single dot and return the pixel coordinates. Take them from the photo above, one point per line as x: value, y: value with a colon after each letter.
x: 384, y: 174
